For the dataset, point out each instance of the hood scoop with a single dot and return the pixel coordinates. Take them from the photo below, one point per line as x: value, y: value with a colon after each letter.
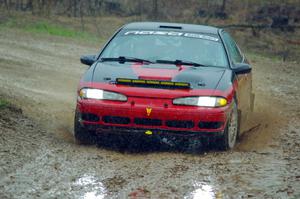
x: 152, y: 73
x: 155, y: 77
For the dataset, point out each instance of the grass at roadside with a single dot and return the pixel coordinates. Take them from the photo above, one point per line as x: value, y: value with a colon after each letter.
x: 3, y: 103
x: 51, y: 29
x: 88, y: 29
x: 44, y: 26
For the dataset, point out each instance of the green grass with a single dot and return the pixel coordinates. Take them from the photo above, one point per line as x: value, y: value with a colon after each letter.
x: 45, y: 27
x: 56, y: 30
x: 3, y: 103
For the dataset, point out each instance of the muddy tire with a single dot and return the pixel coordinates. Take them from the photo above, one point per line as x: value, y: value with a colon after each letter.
x: 228, y: 140
x: 81, y: 134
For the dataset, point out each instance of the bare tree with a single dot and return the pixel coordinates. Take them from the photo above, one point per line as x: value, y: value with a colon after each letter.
x: 81, y: 14
x: 155, y: 9
x: 223, y: 7
x: 6, y: 4
x: 48, y: 7
x: 74, y: 8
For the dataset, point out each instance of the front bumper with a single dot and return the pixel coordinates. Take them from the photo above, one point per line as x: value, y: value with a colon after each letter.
x: 99, y: 129
x: 164, y: 117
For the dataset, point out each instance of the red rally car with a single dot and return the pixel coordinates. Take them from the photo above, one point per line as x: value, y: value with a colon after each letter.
x: 165, y: 79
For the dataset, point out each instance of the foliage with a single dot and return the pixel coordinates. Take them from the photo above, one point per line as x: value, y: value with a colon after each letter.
x: 236, y: 10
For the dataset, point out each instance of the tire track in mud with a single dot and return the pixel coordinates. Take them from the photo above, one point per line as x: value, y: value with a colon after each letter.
x: 40, y: 74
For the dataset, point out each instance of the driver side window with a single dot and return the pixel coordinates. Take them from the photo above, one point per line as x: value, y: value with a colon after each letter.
x: 233, y: 50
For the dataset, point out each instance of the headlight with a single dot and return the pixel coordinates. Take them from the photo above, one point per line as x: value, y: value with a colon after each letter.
x: 89, y: 93
x: 201, y: 101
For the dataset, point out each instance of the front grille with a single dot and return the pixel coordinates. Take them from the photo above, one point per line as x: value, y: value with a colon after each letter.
x: 147, y: 122
x: 180, y: 124
x: 89, y: 117
x: 210, y: 125
x: 116, y: 120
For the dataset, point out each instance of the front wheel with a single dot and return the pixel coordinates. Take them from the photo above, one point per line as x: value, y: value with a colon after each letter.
x: 83, y: 135
x: 229, y: 137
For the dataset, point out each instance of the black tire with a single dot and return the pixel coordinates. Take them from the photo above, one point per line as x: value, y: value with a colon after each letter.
x: 81, y: 134
x: 228, y: 140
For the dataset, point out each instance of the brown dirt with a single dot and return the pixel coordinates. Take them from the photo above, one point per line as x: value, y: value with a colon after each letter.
x: 39, y: 158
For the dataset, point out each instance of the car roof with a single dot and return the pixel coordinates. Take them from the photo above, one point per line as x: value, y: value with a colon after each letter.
x: 172, y: 26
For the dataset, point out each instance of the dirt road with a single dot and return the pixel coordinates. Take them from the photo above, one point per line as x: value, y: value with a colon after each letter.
x: 38, y: 157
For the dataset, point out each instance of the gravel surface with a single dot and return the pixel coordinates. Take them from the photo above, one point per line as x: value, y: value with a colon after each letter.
x: 39, y: 159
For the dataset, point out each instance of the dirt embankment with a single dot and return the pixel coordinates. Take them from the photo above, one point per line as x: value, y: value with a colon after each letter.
x: 39, y: 158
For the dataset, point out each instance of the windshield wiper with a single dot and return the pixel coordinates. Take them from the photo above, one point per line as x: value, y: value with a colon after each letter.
x: 179, y: 62
x: 123, y: 59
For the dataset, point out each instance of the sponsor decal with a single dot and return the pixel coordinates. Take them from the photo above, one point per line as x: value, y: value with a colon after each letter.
x: 148, y: 132
x: 152, y: 82
x: 171, y: 33
x: 148, y: 110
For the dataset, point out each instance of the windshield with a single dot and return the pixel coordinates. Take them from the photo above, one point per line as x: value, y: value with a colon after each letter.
x: 163, y: 45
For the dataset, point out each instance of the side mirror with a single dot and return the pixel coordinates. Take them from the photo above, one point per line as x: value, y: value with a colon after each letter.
x: 241, y: 68
x: 88, y: 59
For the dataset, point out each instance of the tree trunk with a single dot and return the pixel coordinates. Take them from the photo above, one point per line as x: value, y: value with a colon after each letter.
x: 17, y: 5
x: 81, y: 15
x: 6, y: 4
x: 155, y: 9
x: 48, y: 7
x: 74, y: 8
x: 223, y: 7
x: 34, y: 5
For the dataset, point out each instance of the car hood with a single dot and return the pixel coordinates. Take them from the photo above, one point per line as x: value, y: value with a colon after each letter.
x: 197, y: 77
